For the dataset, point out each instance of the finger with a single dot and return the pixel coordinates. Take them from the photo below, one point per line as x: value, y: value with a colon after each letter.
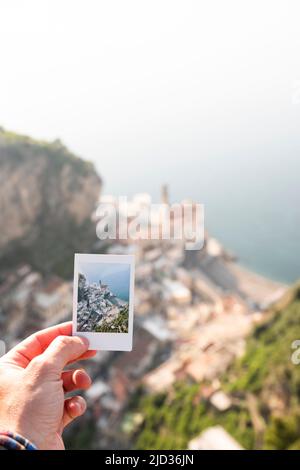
x: 86, y: 355
x: 36, y: 344
x: 61, y: 351
x: 75, y: 380
x: 74, y: 407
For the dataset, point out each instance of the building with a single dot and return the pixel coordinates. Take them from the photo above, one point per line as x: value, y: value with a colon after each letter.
x: 176, y: 292
x: 136, y: 362
x: 161, y: 378
x: 220, y: 401
x: 96, y: 391
x: 53, y: 301
x: 214, y: 438
x: 157, y: 327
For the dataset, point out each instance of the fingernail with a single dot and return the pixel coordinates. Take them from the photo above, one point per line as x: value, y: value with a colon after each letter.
x: 84, y: 340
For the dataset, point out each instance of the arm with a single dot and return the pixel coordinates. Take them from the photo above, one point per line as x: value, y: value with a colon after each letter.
x: 33, y: 384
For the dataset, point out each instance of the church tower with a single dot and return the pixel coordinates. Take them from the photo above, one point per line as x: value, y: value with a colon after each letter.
x: 165, y: 194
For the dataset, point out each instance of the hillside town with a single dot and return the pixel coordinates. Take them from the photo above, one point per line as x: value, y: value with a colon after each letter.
x: 98, y: 306
x: 193, y: 311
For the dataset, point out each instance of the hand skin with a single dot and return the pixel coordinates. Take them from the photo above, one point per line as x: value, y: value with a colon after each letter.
x: 33, y: 384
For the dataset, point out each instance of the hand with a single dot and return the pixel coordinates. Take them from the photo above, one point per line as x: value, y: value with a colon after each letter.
x: 33, y: 385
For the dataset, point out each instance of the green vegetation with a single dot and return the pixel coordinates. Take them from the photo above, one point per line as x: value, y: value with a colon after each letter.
x: 52, y: 250
x: 17, y: 144
x: 172, y: 419
x: 118, y: 325
x: 283, y: 433
x: 267, y: 362
x: 81, y: 436
x: 264, y: 386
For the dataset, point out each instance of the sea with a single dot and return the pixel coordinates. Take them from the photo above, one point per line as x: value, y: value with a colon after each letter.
x: 252, y: 201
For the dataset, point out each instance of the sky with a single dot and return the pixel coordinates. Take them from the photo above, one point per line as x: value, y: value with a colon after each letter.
x: 202, y: 95
x: 115, y: 275
x: 145, y: 83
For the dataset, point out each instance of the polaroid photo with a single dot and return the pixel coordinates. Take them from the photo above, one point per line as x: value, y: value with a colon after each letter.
x: 103, y: 300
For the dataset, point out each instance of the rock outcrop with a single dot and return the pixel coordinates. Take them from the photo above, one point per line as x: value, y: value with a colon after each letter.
x: 47, y: 196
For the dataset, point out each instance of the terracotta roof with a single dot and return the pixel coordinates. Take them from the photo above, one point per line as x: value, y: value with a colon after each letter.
x: 52, y: 284
x: 141, y: 341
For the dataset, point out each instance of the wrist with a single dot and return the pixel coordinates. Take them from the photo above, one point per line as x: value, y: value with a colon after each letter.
x: 14, y: 429
x: 13, y: 441
x: 14, y: 418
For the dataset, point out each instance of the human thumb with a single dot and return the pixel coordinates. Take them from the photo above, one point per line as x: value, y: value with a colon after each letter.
x: 62, y: 350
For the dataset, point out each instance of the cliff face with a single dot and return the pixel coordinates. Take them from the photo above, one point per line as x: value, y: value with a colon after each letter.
x: 47, y: 196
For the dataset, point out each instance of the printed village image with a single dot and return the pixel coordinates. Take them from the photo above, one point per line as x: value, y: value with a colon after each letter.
x: 149, y: 230
x: 103, y: 297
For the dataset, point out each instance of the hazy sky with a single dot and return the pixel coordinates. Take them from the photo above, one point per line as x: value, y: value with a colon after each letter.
x: 203, y: 95
x: 140, y: 82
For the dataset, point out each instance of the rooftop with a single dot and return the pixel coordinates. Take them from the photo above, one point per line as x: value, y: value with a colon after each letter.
x: 214, y: 438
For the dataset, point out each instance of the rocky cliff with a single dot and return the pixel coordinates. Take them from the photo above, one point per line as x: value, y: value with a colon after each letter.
x: 47, y: 195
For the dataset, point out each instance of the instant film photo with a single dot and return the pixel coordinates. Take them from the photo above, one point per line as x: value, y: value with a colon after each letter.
x: 103, y: 300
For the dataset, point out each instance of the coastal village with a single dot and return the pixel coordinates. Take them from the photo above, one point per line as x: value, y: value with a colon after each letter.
x: 193, y: 311
x: 97, y: 306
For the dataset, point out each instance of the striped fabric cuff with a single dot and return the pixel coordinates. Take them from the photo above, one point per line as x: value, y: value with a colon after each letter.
x: 13, y: 441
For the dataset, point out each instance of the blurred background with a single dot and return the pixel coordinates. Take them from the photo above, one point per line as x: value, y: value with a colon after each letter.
x: 166, y: 100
